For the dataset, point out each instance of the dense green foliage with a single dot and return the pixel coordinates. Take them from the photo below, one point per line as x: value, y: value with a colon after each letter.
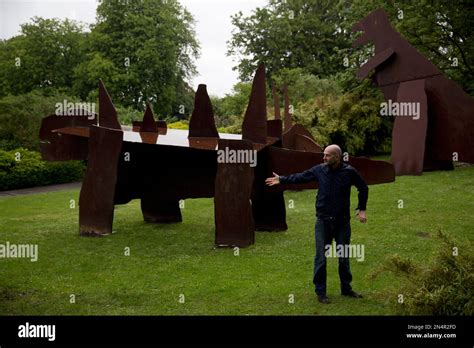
x: 307, y: 45
x: 20, y: 168
x: 443, y: 287
x: 316, y: 35
x: 142, y: 50
x: 20, y: 117
x: 145, y: 51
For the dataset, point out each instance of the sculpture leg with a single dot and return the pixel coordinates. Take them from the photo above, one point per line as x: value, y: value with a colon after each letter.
x: 232, y: 193
x: 96, y: 201
x: 156, y: 209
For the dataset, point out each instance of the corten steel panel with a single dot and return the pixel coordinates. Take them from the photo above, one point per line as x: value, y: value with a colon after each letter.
x: 232, y: 207
x: 148, y: 123
x: 274, y: 128
x: 96, y: 201
x: 148, y: 138
x: 276, y: 102
x: 406, y: 64
x: 451, y: 120
x: 268, y: 207
x: 173, y: 137
x: 375, y: 62
x: 161, y: 125
x: 305, y: 143
x: 409, y: 135
x: 373, y: 172
x: 286, y: 162
x: 107, y: 113
x: 254, y: 127
x: 287, y: 120
x: 158, y: 210
x: 290, y: 135
x: 169, y: 173
x: 202, y: 122
x: 58, y: 147
x: 450, y: 111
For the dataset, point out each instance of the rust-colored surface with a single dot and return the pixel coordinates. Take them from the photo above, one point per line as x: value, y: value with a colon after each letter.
x: 274, y: 128
x: 268, y: 207
x: 290, y: 138
x: 96, y: 201
x: 254, y: 127
x: 232, y: 207
x: 162, y: 166
x: 161, y: 125
x: 148, y: 124
x: 149, y: 137
x: 400, y: 71
x: 276, y: 102
x: 202, y: 122
x: 286, y: 162
x: 158, y: 210
x: 58, y: 147
x: 408, y: 151
x: 305, y: 143
x: 107, y: 113
x: 287, y: 120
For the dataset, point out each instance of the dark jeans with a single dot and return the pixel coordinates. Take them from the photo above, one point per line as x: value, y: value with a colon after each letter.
x: 325, y: 230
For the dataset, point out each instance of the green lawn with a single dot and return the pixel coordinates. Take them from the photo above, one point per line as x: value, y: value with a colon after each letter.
x: 174, y: 259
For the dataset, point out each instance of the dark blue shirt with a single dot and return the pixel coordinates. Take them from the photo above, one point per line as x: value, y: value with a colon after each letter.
x: 334, y: 194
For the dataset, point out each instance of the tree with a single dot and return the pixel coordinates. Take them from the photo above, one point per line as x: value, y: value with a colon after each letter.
x: 316, y: 36
x: 44, y: 55
x: 146, y: 49
x: 290, y: 34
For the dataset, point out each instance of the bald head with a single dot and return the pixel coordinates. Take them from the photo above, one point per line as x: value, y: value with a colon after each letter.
x: 332, y: 155
x: 334, y: 149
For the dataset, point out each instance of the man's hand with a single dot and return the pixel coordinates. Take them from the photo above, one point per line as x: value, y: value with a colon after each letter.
x: 362, y: 216
x: 273, y: 181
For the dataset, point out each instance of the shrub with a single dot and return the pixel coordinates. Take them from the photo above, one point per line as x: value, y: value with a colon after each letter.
x: 21, y: 115
x: 444, y: 287
x: 179, y: 125
x: 30, y: 170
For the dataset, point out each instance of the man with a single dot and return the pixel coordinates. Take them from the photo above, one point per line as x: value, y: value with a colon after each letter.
x: 333, y: 213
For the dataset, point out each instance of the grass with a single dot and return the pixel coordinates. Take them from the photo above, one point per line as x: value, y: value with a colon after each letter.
x: 169, y: 260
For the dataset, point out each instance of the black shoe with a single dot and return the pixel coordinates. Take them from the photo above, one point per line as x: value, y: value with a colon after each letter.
x: 352, y: 293
x: 323, y: 299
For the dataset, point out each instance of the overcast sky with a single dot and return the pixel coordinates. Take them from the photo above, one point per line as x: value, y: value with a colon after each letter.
x: 213, y: 29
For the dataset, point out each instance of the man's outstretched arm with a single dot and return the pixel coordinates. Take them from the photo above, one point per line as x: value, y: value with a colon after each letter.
x: 299, y: 178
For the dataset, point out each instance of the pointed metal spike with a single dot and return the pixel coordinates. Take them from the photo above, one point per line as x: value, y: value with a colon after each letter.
x: 202, y: 122
x: 107, y: 113
x: 254, y: 127
x: 148, y: 124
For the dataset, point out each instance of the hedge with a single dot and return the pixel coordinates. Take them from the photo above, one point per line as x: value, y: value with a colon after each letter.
x: 21, y: 168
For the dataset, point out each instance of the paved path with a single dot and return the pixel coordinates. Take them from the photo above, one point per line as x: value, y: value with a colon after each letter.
x: 40, y: 189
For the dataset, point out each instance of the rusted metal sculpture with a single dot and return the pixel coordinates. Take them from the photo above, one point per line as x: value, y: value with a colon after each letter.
x: 162, y: 166
x: 444, y: 128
